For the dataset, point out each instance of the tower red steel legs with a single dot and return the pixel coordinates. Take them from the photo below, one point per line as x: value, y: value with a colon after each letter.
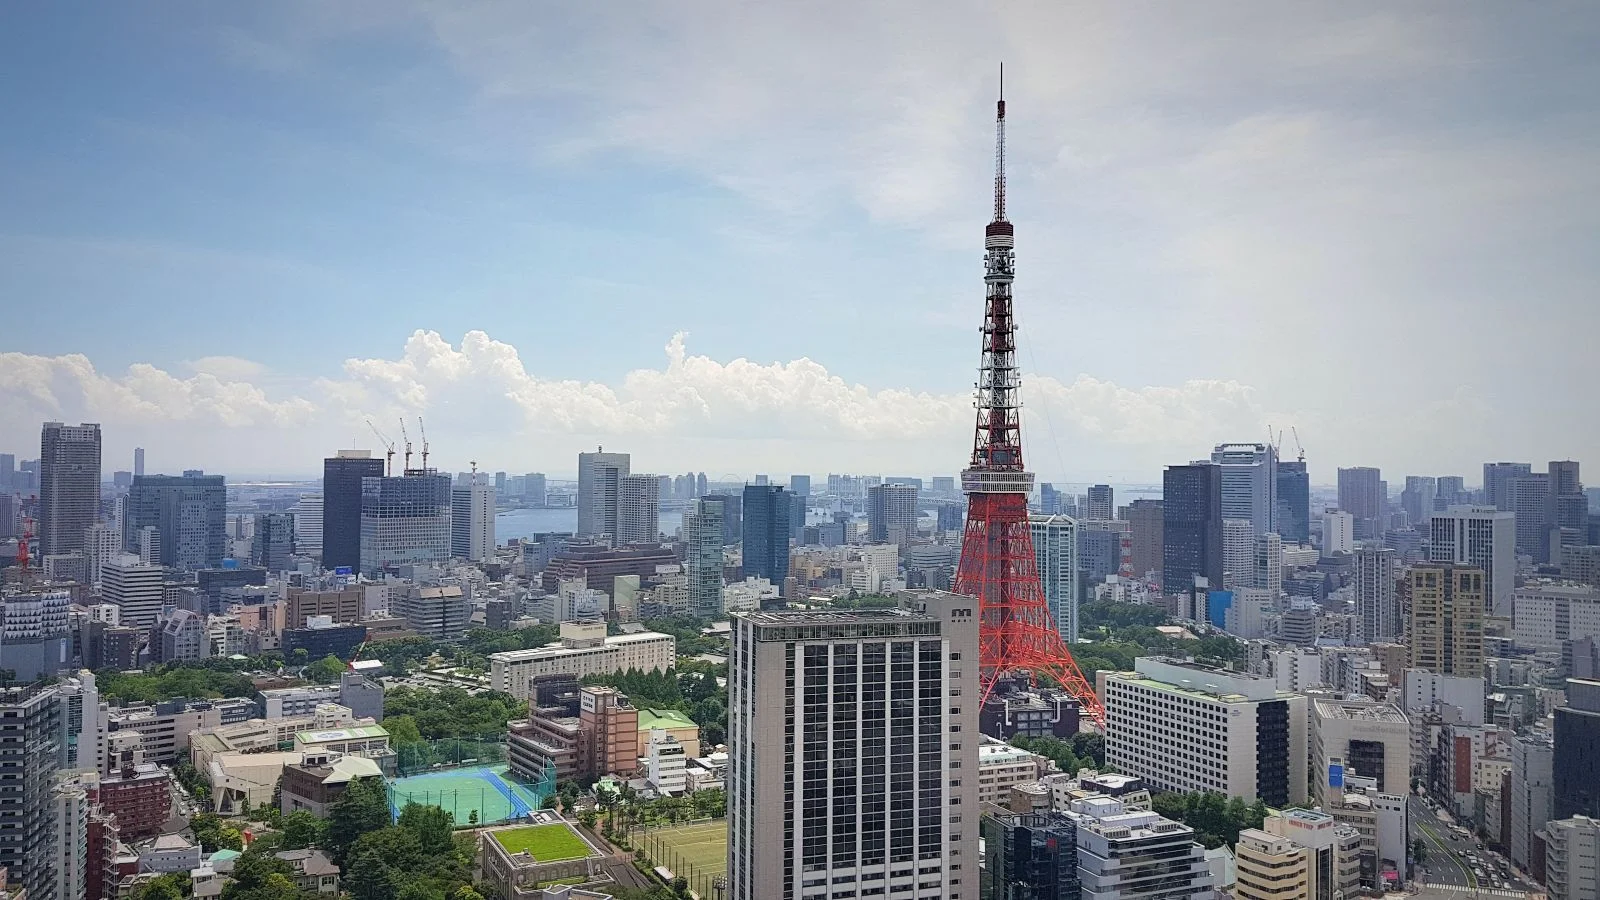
x: 1016, y: 631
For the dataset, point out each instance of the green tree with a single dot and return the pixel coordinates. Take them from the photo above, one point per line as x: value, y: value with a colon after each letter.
x: 326, y: 670
x: 173, y: 886
x: 213, y: 833
x: 466, y: 892
x: 303, y: 829
x: 431, y: 825
x: 1419, y: 850
x: 419, y: 890
x: 363, y: 808
x: 260, y: 876
x: 402, y: 730
x: 381, y: 862
x: 1090, y: 747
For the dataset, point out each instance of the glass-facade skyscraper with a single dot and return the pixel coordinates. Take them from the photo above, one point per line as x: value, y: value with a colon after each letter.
x: 1294, y: 502
x: 405, y: 519
x: 1191, y: 526
x: 768, y: 512
x: 341, y: 506
x: 702, y: 553
x: 69, y: 486
x: 189, y: 513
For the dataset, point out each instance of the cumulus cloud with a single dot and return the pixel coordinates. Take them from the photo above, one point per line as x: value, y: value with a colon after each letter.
x: 481, y: 401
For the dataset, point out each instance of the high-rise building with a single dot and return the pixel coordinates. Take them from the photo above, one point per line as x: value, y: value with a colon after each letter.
x: 1338, y: 532
x: 1417, y: 498
x: 1191, y: 526
x: 1361, y: 495
x: 8, y: 471
x: 1572, y: 858
x: 1055, y: 553
x: 1448, y: 491
x: 1144, y: 521
x: 1182, y: 726
x: 1576, y: 756
x: 405, y: 519
x: 341, y: 506
x: 189, y: 511
x: 638, y: 510
x: 1029, y: 856
x: 1551, y: 613
x: 600, y: 491
x: 767, y: 516
x: 1483, y: 537
x: 1269, y: 564
x: 1496, y: 482
x: 134, y: 588
x: 700, y: 484
x: 138, y: 461
x: 732, y: 516
x: 32, y: 749
x: 1249, y: 483
x: 702, y: 555
x: 800, y: 485
x: 854, y: 751
x: 472, y: 522
x: 69, y: 486
x: 307, y: 513
x: 1050, y: 502
x: 101, y: 544
x: 499, y: 484
x: 533, y: 489
x: 272, y: 542
x: 1447, y: 610
x: 1294, y: 502
x: 1532, y: 793
x: 1377, y: 601
x: 1238, y: 554
x: 1102, y: 502
x: 891, y: 508
x: 1530, y: 503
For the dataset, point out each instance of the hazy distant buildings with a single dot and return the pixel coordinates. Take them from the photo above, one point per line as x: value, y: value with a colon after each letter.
x: 600, y: 492
x: 405, y: 519
x: 1102, y: 502
x: 638, y: 510
x: 891, y: 509
x: 1249, y: 483
x: 1479, y: 536
x: 1338, y: 532
x: 307, y: 514
x: 533, y: 489
x: 1293, y: 516
x: 1361, y: 495
x: 1145, y: 533
x: 1377, y: 603
x: 69, y: 486
x: 472, y: 522
x: 1238, y: 554
x: 1496, y: 482
x: 188, y: 511
x: 732, y: 516
x: 1055, y: 553
x: 342, y: 474
x: 272, y: 542
x: 1191, y: 526
x: 768, y: 520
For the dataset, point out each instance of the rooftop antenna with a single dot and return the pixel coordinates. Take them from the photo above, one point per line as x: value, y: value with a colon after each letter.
x: 407, y: 439
x: 424, y: 442
x: 474, y: 464
x: 388, y: 445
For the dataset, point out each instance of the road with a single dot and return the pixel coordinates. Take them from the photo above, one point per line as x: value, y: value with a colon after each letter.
x: 1447, y: 862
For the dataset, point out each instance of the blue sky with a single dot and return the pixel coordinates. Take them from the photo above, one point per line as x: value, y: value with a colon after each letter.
x: 259, y: 225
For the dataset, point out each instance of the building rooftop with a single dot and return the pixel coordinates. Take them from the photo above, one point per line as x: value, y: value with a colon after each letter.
x: 830, y: 617
x: 341, y: 734
x: 1360, y: 710
x: 559, y: 649
x: 663, y: 718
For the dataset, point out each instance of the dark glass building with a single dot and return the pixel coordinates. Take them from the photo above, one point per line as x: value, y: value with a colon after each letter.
x: 1294, y: 502
x: 1576, y: 787
x: 69, y: 486
x: 768, y: 513
x: 1029, y: 856
x: 732, y: 516
x: 189, y: 512
x: 1191, y: 526
x: 341, y: 506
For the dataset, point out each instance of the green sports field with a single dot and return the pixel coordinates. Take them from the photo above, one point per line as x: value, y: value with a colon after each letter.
x: 698, y: 852
x: 485, y: 790
x: 547, y: 843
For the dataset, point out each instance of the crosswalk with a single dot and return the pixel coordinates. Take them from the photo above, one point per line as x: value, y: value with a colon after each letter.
x: 1479, y: 892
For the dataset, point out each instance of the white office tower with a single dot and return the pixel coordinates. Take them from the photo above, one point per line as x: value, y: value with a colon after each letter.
x: 1550, y: 613
x: 307, y: 512
x: 702, y: 554
x: 1532, y: 786
x: 1238, y: 554
x: 134, y: 588
x: 1182, y: 726
x: 853, y: 752
x: 599, y: 488
x: 1246, y: 616
x: 1572, y: 859
x: 101, y: 544
x: 1480, y: 536
x: 147, y: 544
x: 472, y: 522
x: 1338, y: 532
x: 1269, y: 564
x: 1249, y: 483
x: 1055, y: 554
x: 638, y: 509
x: 1125, y: 854
x: 1377, y: 601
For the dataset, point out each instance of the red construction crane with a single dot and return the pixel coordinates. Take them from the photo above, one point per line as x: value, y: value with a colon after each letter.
x: 1016, y: 631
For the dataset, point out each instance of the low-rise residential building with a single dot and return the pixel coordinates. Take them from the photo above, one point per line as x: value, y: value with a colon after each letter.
x: 313, y: 783
x: 1126, y: 854
x: 314, y: 871
x: 1298, y: 853
x: 1000, y: 766
x: 666, y: 763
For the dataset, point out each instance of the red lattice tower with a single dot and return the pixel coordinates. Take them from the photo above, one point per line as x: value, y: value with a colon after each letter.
x: 1016, y: 631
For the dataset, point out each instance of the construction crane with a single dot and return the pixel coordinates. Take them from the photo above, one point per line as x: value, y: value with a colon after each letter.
x: 388, y: 446
x: 407, y: 438
x: 424, y: 431
x: 1299, y: 449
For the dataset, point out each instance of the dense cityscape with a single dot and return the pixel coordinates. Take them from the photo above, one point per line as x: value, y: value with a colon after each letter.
x: 605, y: 682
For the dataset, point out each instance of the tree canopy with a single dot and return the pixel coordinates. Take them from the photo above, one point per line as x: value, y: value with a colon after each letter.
x: 1216, y: 819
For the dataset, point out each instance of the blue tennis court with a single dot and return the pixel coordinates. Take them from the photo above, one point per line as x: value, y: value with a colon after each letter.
x: 488, y: 791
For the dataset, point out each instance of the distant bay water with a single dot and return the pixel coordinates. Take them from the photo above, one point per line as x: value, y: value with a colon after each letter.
x: 522, y: 523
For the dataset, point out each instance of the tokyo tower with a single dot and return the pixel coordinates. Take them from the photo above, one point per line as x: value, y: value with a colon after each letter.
x: 1016, y: 631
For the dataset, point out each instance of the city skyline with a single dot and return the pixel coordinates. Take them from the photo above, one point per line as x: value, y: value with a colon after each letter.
x: 452, y: 244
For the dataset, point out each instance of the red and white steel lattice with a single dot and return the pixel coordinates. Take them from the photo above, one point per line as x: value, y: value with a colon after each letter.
x: 1016, y: 630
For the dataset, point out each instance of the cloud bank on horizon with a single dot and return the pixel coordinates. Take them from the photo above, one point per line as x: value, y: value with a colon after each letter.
x: 1372, y: 222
